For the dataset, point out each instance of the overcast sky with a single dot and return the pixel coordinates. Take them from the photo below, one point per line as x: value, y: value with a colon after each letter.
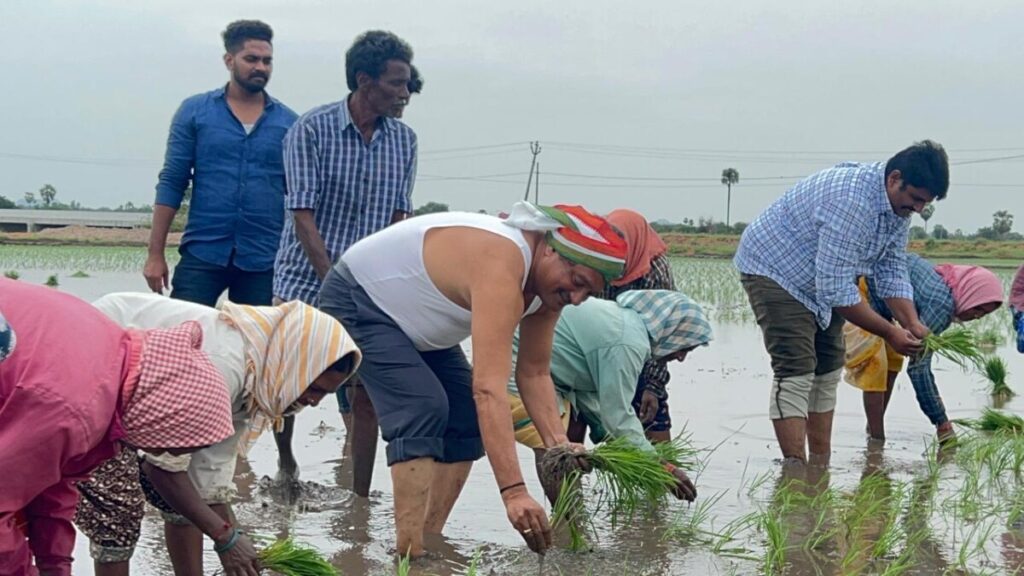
x: 638, y: 104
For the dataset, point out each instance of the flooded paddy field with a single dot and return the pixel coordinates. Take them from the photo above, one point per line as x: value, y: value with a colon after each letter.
x: 904, y: 507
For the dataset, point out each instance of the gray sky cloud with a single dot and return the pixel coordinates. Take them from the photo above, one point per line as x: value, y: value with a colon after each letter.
x: 638, y: 105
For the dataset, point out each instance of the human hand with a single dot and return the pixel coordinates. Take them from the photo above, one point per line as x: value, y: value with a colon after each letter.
x: 684, y: 488
x: 919, y: 330
x: 156, y: 273
x: 904, y: 342
x: 648, y: 407
x: 528, y: 518
x: 241, y: 559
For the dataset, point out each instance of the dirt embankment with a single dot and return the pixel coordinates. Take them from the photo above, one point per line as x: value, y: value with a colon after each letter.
x: 84, y: 235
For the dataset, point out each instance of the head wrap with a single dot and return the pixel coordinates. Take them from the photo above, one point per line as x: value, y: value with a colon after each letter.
x: 577, y: 235
x: 287, y: 347
x: 971, y: 285
x: 644, y: 243
x: 7, y: 339
x: 674, y: 321
x: 180, y: 400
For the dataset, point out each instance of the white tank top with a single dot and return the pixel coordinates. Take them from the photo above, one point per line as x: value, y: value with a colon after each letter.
x: 389, y: 266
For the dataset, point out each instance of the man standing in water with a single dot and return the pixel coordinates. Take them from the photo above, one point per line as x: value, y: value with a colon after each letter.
x: 448, y: 277
x: 226, y: 144
x: 799, y: 262
x: 350, y: 167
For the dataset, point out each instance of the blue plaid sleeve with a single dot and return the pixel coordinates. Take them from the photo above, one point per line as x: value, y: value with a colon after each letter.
x: 890, y: 272
x: 405, y: 199
x: 841, y: 239
x: 301, y: 168
x: 179, y: 158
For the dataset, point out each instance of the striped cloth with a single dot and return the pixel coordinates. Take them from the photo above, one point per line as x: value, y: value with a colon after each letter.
x: 577, y: 235
x: 673, y: 320
x: 180, y: 400
x: 353, y: 188
x: 287, y: 347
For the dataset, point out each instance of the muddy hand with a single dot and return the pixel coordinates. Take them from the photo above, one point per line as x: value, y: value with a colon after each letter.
x: 528, y: 518
x: 241, y: 559
x: 582, y: 461
x: 903, y: 342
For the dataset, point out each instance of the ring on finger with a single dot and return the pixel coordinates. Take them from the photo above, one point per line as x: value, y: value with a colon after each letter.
x: 527, y: 531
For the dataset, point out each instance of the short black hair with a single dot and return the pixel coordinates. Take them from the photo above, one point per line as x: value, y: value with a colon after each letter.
x: 415, y: 80
x: 923, y: 165
x: 370, y: 54
x: 239, y: 31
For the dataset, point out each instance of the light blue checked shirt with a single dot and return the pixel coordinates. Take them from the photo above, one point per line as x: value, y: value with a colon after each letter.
x: 352, y: 188
x: 933, y: 299
x: 826, y: 231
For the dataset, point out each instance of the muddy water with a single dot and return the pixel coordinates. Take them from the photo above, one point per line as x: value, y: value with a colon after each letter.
x: 720, y: 394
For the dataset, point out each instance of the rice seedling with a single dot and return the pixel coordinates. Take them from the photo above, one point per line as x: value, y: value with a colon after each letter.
x: 570, y: 511
x: 52, y: 281
x: 995, y: 372
x: 691, y: 527
x: 474, y: 564
x: 287, y: 558
x: 403, y: 566
x: 993, y: 421
x: 12, y: 274
x: 80, y: 274
x: 957, y: 345
x: 989, y: 339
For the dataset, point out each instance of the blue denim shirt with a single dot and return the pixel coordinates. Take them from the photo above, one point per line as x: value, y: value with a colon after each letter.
x: 237, y: 205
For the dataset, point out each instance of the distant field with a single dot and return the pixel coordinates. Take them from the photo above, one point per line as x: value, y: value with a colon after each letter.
x: 979, y: 252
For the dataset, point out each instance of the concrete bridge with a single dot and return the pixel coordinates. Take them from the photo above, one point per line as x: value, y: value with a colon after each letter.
x: 32, y: 220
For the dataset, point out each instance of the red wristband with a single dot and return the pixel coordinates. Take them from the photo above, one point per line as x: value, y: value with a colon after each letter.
x: 670, y: 467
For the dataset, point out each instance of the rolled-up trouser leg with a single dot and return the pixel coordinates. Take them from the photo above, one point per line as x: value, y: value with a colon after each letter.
x: 790, y: 397
x: 110, y: 508
x: 822, y: 397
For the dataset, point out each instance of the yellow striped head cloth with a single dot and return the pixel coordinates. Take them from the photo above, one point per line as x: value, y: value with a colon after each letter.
x: 286, y: 348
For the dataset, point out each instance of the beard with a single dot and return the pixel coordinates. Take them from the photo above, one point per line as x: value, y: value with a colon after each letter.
x: 252, y: 83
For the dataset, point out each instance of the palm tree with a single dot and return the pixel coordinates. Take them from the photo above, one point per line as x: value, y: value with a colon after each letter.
x: 729, y: 177
x: 926, y: 215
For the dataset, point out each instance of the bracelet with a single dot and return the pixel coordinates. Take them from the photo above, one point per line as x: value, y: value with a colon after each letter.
x: 222, y: 548
x: 511, y: 486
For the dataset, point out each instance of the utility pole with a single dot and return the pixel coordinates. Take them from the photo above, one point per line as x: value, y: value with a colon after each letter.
x: 535, y: 150
x: 536, y: 188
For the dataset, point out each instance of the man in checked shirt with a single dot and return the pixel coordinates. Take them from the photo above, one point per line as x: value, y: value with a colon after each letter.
x: 350, y: 168
x: 799, y: 262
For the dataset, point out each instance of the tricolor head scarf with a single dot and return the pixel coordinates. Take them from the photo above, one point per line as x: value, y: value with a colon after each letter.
x: 644, y: 243
x: 972, y: 286
x: 577, y: 235
x: 180, y: 400
x: 287, y: 347
x: 7, y: 339
x: 674, y: 321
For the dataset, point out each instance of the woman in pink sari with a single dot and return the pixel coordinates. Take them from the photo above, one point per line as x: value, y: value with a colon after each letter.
x: 73, y: 390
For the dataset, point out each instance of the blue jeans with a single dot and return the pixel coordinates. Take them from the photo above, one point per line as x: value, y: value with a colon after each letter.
x: 203, y: 283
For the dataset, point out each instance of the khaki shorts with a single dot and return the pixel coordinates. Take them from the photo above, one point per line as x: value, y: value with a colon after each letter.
x: 526, y: 432
x: 795, y: 342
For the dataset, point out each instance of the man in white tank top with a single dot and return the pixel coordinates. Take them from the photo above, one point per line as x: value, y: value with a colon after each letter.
x: 447, y: 277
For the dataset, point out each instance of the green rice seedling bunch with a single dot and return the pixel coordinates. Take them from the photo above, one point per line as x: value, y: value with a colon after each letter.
x: 630, y: 477
x: 12, y: 274
x: 994, y: 421
x: 290, y: 559
x: 989, y: 339
x: 958, y: 345
x: 570, y: 511
x: 403, y: 567
x: 995, y: 371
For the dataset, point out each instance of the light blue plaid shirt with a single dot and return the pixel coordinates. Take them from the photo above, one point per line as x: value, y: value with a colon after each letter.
x: 826, y: 231
x: 352, y: 188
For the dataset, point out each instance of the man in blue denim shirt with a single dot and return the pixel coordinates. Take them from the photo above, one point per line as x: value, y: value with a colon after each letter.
x: 227, y: 144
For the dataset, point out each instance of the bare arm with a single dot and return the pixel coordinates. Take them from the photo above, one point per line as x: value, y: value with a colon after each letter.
x: 155, y: 271
x: 904, y: 311
x: 312, y: 242
x: 177, y: 490
x: 899, y: 338
x: 533, y: 376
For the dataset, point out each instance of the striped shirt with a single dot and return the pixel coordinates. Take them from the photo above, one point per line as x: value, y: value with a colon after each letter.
x: 352, y: 188
x: 933, y: 300
x: 825, y: 232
